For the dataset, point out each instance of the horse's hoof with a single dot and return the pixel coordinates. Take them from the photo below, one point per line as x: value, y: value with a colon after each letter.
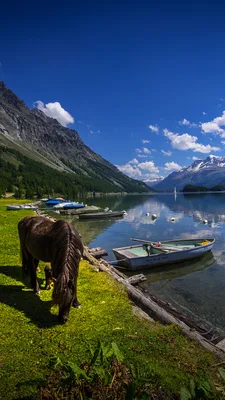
x: 76, y: 305
x: 63, y: 320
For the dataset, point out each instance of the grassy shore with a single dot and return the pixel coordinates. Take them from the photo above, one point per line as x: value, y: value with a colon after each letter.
x: 156, y: 359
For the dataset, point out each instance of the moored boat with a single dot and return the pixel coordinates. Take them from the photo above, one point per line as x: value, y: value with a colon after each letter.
x: 102, y: 215
x: 53, y: 201
x: 21, y: 207
x: 72, y: 205
x: 150, y: 255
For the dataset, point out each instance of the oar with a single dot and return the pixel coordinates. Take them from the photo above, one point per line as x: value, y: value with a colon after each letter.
x: 140, y: 240
x: 151, y: 243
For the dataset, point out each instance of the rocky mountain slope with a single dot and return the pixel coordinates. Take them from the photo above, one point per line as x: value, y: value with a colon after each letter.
x: 45, y: 140
x: 209, y: 172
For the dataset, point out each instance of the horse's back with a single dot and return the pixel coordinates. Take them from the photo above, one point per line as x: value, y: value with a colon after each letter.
x: 65, y: 232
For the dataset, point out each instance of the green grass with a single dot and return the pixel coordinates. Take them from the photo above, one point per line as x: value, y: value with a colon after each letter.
x: 30, y: 335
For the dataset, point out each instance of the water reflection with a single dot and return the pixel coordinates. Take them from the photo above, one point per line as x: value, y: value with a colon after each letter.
x: 165, y: 275
x: 198, y: 286
x: 89, y: 229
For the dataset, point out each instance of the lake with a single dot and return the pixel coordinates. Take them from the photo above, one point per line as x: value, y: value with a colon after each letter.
x: 196, y: 287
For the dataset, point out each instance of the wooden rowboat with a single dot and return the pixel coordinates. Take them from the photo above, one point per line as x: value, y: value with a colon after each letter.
x: 150, y: 255
x: 102, y: 215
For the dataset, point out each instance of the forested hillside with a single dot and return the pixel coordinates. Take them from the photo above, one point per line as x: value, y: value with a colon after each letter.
x: 27, y: 178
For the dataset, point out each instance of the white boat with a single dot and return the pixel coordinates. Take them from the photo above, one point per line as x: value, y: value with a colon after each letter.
x: 100, y: 215
x: 13, y: 207
x: 150, y: 255
x: 21, y: 207
x: 64, y: 203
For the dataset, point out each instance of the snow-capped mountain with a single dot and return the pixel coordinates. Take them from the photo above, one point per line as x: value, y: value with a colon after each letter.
x: 152, y: 182
x: 209, y: 172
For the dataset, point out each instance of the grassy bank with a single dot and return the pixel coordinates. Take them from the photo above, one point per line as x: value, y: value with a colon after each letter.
x: 159, y: 359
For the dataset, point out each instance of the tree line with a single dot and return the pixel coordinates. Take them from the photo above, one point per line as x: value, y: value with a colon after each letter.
x: 194, y: 188
x: 27, y: 178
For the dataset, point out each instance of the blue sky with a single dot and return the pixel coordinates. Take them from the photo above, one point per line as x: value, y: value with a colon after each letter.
x: 143, y: 84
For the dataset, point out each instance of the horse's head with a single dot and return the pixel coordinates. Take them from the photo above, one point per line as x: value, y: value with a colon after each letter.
x: 63, y: 295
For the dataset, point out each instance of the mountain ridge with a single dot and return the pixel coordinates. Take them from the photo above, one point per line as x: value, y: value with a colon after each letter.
x: 206, y: 172
x: 38, y: 136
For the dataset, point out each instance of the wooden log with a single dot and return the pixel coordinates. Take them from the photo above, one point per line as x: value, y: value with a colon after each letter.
x: 98, y: 253
x: 134, y: 280
x: 162, y: 315
x: 155, y: 311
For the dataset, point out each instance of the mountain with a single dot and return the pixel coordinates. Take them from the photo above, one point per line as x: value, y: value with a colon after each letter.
x: 153, y: 182
x: 46, y: 141
x: 209, y: 172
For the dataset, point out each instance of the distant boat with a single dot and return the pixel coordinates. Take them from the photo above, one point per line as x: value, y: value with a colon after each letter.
x: 21, y: 207
x: 175, y: 191
x: 62, y: 204
x: 150, y: 255
x: 99, y: 215
x: 53, y: 202
x: 71, y: 206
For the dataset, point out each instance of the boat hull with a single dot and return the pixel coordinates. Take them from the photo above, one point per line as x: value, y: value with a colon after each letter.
x: 73, y: 206
x: 102, y: 215
x: 132, y: 262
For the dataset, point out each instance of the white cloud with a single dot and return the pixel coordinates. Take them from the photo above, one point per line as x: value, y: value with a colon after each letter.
x: 134, y: 161
x: 55, y: 110
x: 142, y: 156
x: 98, y: 131
x: 166, y: 153
x: 184, y: 122
x: 142, y: 171
x: 203, y: 113
x: 146, y: 151
x: 195, y: 158
x: 139, y: 151
x: 223, y: 142
x: 172, y: 166
x: 145, y: 141
x: 130, y: 170
x: 154, y: 128
x: 215, y: 125
x: 188, y: 142
x: 188, y: 123
x: 148, y: 166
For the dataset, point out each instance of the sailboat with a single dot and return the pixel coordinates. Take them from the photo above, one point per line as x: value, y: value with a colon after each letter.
x: 175, y: 193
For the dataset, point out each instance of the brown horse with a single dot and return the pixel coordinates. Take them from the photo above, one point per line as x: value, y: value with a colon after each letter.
x: 60, y: 244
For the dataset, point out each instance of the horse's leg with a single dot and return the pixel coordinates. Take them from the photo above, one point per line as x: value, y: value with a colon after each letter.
x: 25, y: 264
x: 48, y: 277
x: 33, y: 275
x: 76, y: 303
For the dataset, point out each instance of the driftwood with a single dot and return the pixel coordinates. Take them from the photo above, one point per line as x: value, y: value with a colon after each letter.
x: 134, y: 280
x: 154, y: 309
x: 98, y: 252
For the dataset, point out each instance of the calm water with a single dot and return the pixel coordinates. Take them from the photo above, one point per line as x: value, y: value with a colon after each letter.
x: 196, y: 287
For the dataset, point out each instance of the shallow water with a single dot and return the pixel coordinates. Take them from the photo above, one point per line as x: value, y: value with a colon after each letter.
x: 195, y: 287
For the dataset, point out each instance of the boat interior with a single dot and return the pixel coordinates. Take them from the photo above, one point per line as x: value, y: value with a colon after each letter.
x: 148, y: 249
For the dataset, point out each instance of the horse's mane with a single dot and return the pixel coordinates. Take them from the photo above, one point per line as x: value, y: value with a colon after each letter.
x: 68, y: 250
